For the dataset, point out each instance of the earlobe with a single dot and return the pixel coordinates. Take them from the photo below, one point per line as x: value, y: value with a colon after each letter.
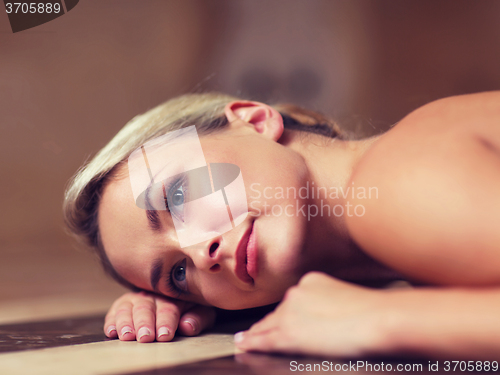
x: 263, y: 118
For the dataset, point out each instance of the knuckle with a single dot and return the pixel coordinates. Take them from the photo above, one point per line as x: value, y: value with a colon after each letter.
x: 168, y: 310
x: 125, y: 311
x: 142, y: 297
x: 143, y: 307
x: 124, y: 304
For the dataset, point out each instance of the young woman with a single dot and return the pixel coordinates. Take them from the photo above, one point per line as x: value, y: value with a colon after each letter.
x: 327, y: 215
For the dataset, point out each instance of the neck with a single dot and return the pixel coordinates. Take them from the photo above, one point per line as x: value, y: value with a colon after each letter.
x: 329, y: 246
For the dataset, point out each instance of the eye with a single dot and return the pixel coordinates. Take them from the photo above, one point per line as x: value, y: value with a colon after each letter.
x: 177, y: 280
x: 176, y: 195
x: 180, y: 273
x: 176, y: 203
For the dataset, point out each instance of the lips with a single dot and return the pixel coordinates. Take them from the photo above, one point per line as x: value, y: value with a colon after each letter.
x: 246, y: 257
x: 252, y: 254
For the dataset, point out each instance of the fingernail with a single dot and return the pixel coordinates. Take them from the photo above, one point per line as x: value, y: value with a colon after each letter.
x: 110, y: 330
x: 191, y: 322
x: 144, y: 331
x: 163, y: 331
x: 126, y: 330
x: 239, y: 336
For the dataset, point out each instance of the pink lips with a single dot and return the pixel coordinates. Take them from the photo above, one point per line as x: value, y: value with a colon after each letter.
x: 252, y: 254
x: 246, y: 257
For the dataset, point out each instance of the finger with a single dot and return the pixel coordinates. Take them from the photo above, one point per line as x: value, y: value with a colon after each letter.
x: 265, y: 324
x: 144, y: 316
x: 168, y: 313
x: 110, y: 319
x: 110, y: 325
x: 262, y: 342
x: 124, y: 321
x: 260, y: 331
x: 196, y: 320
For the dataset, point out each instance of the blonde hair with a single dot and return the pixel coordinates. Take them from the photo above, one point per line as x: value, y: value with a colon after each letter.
x: 206, y: 111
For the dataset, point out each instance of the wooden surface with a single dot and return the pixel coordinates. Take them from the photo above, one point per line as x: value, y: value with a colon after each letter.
x: 78, y: 346
x: 115, y: 357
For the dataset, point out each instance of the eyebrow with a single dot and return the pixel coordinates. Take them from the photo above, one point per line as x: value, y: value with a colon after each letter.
x: 153, y: 220
x: 152, y: 215
x: 156, y: 272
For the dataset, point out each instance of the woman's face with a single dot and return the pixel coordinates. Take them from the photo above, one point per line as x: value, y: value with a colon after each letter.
x: 250, y: 265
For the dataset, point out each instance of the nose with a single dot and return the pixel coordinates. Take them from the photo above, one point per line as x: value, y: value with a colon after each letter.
x: 206, y: 256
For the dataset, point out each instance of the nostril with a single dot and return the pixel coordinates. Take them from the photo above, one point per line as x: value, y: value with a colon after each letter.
x: 213, y: 248
x: 215, y: 268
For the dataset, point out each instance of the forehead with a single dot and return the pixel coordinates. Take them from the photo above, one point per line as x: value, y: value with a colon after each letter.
x: 122, y: 227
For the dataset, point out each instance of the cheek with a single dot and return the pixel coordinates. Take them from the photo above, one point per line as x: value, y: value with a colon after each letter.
x: 204, y: 218
x: 276, y: 192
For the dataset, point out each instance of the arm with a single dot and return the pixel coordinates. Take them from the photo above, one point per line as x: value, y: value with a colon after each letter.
x: 325, y: 316
x: 146, y: 317
x: 447, y: 323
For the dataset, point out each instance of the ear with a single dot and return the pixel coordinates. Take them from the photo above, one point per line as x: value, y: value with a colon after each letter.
x: 261, y: 117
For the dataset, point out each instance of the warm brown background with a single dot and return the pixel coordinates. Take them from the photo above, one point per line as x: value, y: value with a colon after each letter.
x: 68, y: 86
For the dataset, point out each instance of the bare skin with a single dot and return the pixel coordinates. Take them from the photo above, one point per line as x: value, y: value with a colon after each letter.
x: 435, y: 220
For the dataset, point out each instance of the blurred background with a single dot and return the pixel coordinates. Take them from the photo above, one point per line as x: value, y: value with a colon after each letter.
x: 66, y: 87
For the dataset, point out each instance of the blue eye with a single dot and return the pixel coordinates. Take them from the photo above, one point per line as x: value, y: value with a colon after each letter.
x: 177, y: 278
x: 179, y: 273
x: 176, y: 195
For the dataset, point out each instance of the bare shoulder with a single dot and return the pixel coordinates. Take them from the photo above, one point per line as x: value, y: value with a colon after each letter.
x: 436, y: 214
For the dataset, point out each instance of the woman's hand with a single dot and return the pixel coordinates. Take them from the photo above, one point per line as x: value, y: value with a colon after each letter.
x: 320, y: 316
x: 146, y: 317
